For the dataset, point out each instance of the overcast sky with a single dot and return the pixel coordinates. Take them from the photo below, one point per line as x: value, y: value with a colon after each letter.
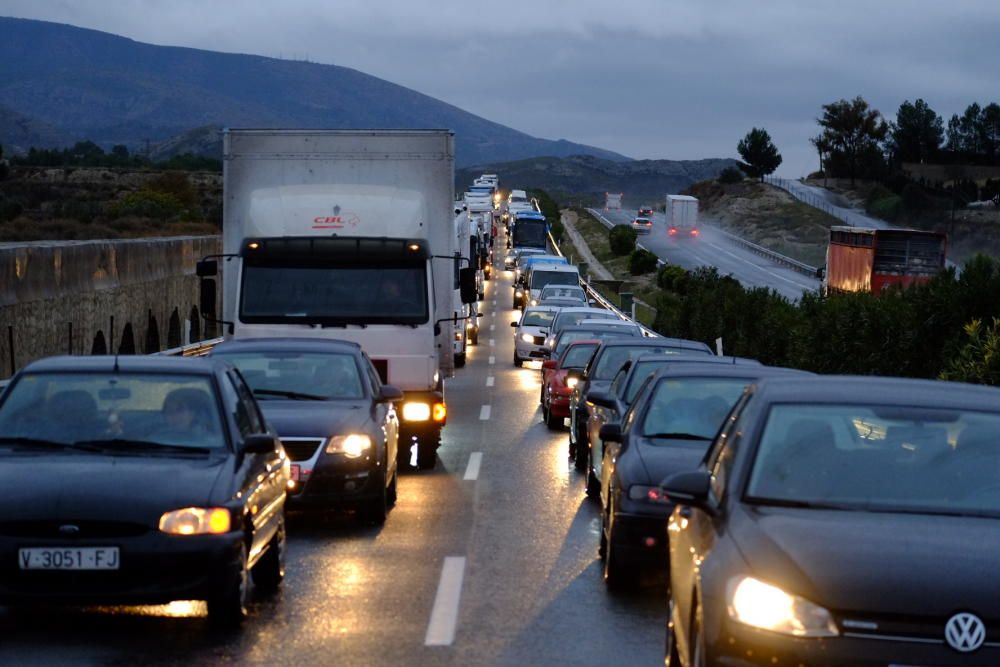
x: 679, y: 79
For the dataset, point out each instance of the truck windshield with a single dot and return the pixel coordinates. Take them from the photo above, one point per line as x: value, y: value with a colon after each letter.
x: 334, y: 295
x: 530, y: 233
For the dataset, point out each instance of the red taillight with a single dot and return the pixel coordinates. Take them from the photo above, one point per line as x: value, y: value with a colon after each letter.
x: 673, y: 231
x: 694, y: 232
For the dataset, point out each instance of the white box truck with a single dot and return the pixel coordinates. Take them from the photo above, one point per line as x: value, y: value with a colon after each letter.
x: 348, y: 234
x: 682, y: 217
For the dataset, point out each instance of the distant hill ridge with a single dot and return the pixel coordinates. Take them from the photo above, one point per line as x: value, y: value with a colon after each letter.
x: 60, y: 83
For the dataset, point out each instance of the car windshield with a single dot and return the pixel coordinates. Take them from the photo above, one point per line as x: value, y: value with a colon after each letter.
x: 563, y: 292
x: 577, y: 356
x: 879, y: 458
x: 690, y: 408
x: 540, y: 279
x: 334, y: 295
x: 640, y: 371
x: 568, y: 319
x: 537, y: 318
x: 613, y: 357
x: 603, y: 334
x: 274, y: 374
x: 131, y: 411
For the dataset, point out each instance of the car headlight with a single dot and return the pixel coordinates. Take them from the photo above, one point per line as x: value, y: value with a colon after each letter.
x: 518, y: 292
x: 534, y: 302
x: 527, y: 338
x: 352, y: 445
x: 458, y: 335
x: 469, y: 324
x: 651, y: 494
x: 196, y: 521
x: 416, y: 412
x: 572, y: 382
x: 761, y: 605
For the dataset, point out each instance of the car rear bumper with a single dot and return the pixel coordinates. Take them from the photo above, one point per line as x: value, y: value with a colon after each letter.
x: 155, y: 569
x: 641, y: 539
x: 559, y: 406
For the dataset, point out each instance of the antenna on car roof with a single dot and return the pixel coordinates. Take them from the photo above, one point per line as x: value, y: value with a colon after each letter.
x: 115, y: 369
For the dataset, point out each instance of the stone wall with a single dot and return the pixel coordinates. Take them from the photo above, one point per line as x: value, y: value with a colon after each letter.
x: 89, y: 297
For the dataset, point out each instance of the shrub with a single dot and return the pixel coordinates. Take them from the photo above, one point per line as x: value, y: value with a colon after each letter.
x: 887, y: 208
x: 146, y: 204
x: 978, y: 360
x: 641, y: 261
x: 622, y: 240
x: 915, y: 199
x: 673, y: 278
x: 730, y: 175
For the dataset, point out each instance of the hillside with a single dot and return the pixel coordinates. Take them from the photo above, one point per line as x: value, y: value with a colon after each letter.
x: 585, y: 179
x: 76, y: 84
x: 767, y: 216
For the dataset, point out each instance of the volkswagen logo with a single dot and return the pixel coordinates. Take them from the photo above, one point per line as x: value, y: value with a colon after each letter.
x: 964, y: 632
x: 69, y: 529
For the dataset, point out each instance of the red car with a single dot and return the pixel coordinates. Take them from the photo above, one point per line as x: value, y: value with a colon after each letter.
x: 560, y: 376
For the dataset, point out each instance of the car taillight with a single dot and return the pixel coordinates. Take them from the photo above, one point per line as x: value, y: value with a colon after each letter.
x: 694, y: 232
x: 673, y: 230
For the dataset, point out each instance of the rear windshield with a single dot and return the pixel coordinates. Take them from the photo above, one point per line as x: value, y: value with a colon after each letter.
x: 537, y: 318
x: 614, y: 357
x: 571, y: 336
x: 577, y: 356
x: 298, y: 375
x: 569, y: 319
x: 540, y: 279
x: 690, y: 408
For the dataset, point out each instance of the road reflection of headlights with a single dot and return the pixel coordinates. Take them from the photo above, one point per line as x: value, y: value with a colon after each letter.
x: 761, y: 605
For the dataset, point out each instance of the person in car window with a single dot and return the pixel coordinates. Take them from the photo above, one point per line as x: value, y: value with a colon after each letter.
x: 186, y: 418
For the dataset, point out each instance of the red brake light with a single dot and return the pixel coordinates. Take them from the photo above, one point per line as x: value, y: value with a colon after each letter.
x: 673, y: 230
x: 694, y: 232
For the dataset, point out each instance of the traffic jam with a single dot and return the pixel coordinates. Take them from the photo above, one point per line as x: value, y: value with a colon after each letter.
x: 784, y: 518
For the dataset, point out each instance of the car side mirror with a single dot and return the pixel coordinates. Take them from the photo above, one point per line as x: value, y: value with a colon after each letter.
x: 611, y: 433
x: 390, y: 394
x: 259, y: 443
x: 467, y: 285
x: 206, y: 268
x: 689, y: 488
x: 513, y: 324
x: 592, y: 302
x: 550, y: 365
x: 601, y: 398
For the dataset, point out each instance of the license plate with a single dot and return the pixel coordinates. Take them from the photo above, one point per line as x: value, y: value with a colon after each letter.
x: 296, y: 472
x: 74, y: 558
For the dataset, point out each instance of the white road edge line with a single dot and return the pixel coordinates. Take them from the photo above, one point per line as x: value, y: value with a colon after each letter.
x: 484, y: 412
x: 491, y: 327
x: 472, y: 470
x: 490, y: 380
x: 444, y: 613
x: 493, y: 360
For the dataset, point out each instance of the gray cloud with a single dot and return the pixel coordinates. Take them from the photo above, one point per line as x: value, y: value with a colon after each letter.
x: 648, y: 78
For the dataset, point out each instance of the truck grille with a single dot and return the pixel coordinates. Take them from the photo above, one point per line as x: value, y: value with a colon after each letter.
x: 301, y: 449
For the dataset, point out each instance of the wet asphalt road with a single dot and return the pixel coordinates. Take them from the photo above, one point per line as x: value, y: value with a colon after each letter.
x: 713, y: 249
x: 530, y: 591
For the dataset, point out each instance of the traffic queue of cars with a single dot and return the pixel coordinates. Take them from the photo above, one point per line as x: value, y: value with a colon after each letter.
x: 798, y: 519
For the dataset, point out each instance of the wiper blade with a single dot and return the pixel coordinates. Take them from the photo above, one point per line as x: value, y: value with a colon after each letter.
x: 39, y: 442
x: 294, y: 395
x: 676, y: 436
x: 807, y: 504
x: 127, y: 445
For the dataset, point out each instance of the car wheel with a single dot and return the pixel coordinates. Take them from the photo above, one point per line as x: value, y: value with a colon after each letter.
x: 582, y: 451
x: 518, y: 361
x: 671, y: 658
x: 374, y: 511
x: 617, y: 576
x: 269, y: 571
x: 602, y: 547
x: 227, y: 608
x: 553, y: 422
x: 593, y: 484
x: 394, y: 488
x: 460, y: 360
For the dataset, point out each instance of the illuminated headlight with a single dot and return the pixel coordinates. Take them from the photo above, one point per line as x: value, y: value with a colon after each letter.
x: 534, y: 302
x: 651, y: 494
x: 458, y: 335
x: 760, y: 605
x: 518, y: 292
x: 572, y: 382
x: 196, y: 521
x: 416, y: 412
x: 469, y: 325
x: 352, y: 446
x: 527, y: 338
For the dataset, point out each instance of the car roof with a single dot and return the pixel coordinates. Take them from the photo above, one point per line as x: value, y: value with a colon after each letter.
x: 561, y: 268
x: 575, y: 288
x: 603, y: 326
x: 288, y: 343
x: 585, y: 309
x: 731, y: 361
x: 874, y: 390
x: 684, y: 368
x: 681, y: 343
x: 530, y: 213
x: 618, y: 324
x: 558, y: 302
x: 542, y: 308
x: 130, y: 363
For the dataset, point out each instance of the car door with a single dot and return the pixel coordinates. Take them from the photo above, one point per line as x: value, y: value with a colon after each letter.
x: 693, y: 532
x: 599, y: 416
x: 264, y: 480
x: 385, y: 417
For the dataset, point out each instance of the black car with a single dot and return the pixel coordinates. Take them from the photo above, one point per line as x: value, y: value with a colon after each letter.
x: 841, y: 521
x: 593, y: 331
x: 138, y: 480
x: 609, y: 407
x: 673, y: 419
x: 601, y: 370
x: 335, y: 418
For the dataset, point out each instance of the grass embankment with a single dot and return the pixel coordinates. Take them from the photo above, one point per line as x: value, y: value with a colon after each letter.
x: 595, y: 235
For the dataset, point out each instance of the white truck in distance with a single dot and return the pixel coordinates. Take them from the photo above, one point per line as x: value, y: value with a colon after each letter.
x: 682, y: 216
x: 348, y: 235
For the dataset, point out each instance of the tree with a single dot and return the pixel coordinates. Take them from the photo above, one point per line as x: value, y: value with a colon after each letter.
x: 759, y: 153
x: 991, y: 129
x: 917, y: 133
x: 854, y: 132
x: 823, y: 148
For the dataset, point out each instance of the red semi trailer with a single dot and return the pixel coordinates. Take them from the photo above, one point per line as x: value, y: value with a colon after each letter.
x: 871, y: 260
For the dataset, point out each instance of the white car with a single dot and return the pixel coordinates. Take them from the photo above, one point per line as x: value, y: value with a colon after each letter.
x: 628, y: 328
x: 562, y: 293
x: 568, y: 317
x: 530, y: 333
x: 642, y: 225
x: 543, y: 274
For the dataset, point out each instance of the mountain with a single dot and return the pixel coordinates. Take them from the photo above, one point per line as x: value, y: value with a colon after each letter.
x: 18, y: 132
x: 109, y: 89
x: 587, y: 178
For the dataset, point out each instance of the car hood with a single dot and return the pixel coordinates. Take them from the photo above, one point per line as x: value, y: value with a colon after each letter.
x: 314, y: 418
x: 876, y: 563
x: 101, y: 487
x: 532, y: 330
x: 667, y: 457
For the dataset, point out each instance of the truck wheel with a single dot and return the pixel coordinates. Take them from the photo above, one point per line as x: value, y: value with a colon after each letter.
x: 551, y: 421
x: 460, y: 360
